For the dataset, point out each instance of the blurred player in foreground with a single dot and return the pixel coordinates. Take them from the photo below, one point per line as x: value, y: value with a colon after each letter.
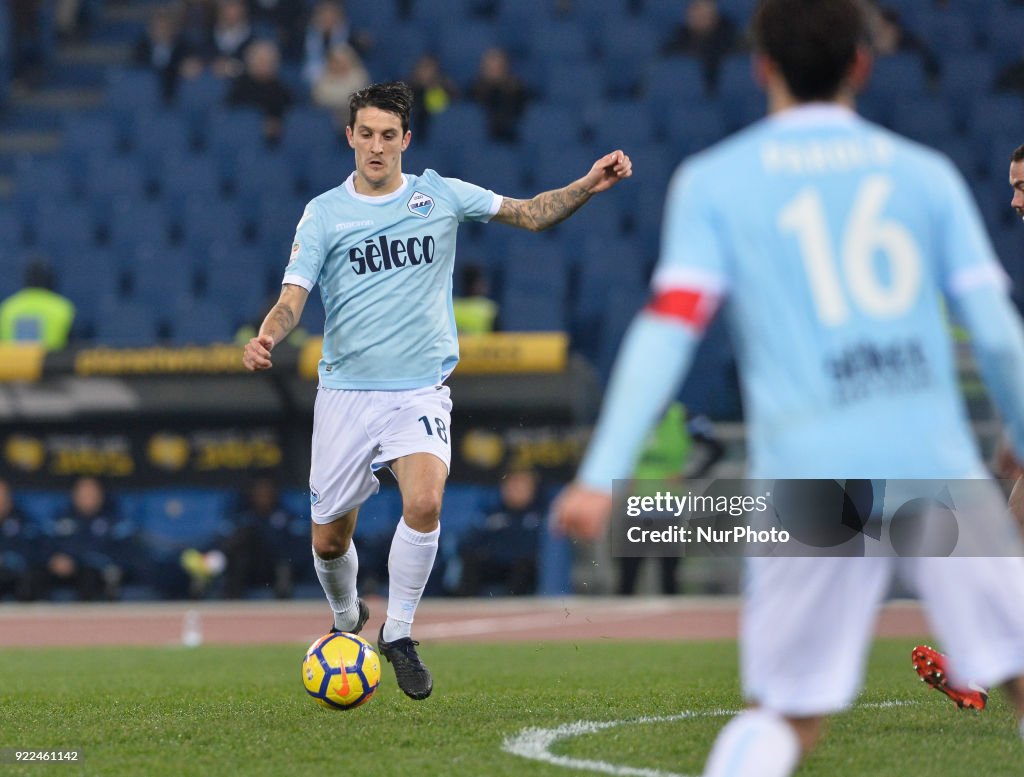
x: 831, y: 237
x: 929, y: 664
x: 381, y: 246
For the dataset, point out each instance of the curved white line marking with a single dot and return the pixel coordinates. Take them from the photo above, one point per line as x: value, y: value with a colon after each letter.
x: 535, y: 743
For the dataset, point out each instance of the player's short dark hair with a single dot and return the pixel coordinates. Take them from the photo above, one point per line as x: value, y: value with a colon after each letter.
x: 1018, y: 154
x: 392, y: 96
x: 813, y: 42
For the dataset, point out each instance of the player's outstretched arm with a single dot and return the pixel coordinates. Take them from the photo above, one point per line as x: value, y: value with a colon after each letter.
x: 549, y: 208
x: 280, y: 321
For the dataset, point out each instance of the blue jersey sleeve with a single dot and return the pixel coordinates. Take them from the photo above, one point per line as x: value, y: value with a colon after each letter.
x: 472, y: 203
x: 693, y: 254
x: 308, y: 249
x: 967, y: 259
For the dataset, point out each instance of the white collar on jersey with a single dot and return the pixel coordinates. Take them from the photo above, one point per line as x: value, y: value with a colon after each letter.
x: 350, y: 187
x: 815, y: 113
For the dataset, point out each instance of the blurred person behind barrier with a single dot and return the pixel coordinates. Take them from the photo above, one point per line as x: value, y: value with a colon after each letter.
x: 37, y: 314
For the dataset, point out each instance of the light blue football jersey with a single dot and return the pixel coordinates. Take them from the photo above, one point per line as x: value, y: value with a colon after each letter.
x: 384, y: 268
x: 833, y: 242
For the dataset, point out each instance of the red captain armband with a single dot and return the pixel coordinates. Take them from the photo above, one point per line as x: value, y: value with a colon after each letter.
x: 693, y: 308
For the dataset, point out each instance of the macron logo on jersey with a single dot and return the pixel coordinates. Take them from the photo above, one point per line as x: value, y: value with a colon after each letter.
x: 421, y: 204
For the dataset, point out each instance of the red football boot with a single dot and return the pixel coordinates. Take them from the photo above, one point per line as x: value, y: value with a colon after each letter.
x: 930, y: 666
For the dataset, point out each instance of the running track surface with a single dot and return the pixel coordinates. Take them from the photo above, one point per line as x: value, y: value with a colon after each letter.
x: 465, y: 620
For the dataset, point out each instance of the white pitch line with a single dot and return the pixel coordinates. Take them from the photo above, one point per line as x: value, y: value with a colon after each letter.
x: 471, y: 626
x: 535, y: 743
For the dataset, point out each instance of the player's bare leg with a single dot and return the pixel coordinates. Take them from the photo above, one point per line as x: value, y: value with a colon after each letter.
x: 762, y: 743
x: 337, y: 563
x: 421, y: 478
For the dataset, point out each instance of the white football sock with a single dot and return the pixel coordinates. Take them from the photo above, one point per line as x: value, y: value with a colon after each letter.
x: 1020, y: 727
x: 338, y: 579
x: 409, y: 564
x: 756, y: 743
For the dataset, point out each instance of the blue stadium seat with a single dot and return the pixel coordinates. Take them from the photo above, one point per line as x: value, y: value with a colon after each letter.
x: 41, y: 507
x: 207, y: 219
x: 310, y: 129
x: 555, y: 42
x: 175, y: 520
x: 160, y: 275
x: 42, y: 177
x: 328, y: 169
x: 964, y: 155
x: 89, y: 134
x: 188, y: 175
x: 379, y: 515
x: 133, y: 221
x: 897, y: 77
x: 1005, y: 32
x: 991, y: 115
x: 155, y: 134
x: 243, y: 294
x: 107, y: 177
x: 278, y: 215
x: 125, y: 324
x: 498, y: 168
x: 621, y: 307
x: 201, y: 322
x: 261, y: 170
x: 230, y: 131
x: 622, y: 124
x: 130, y: 89
x: 926, y: 119
x: 534, y: 287
x: 63, y: 223
x: 545, y: 120
x: 86, y: 276
x: 693, y: 126
x: 400, y: 45
x: 948, y: 31
x: 963, y: 75
x: 462, y: 125
x: 675, y: 80
x: 460, y: 47
x: 201, y: 94
x: 573, y: 85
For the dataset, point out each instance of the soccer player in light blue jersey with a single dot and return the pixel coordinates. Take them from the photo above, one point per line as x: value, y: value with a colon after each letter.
x: 381, y: 247
x: 835, y: 242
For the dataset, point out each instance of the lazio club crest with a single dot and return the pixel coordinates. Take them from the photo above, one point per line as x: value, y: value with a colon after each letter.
x: 421, y: 204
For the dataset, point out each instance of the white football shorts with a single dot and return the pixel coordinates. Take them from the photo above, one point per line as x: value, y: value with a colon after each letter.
x: 355, y: 433
x: 808, y: 623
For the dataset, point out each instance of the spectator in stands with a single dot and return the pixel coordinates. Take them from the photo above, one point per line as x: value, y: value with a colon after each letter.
x: 432, y: 91
x: 502, y: 552
x: 261, y: 87
x: 475, y: 311
x: 706, y: 34
x: 90, y: 546
x: 266, y: 544
x: 890, y: 36
x: 195, y: 23
x: 343, y: 76
x: 231, y: 38
x: 501, y: 94
x: 19, y: 546
x: 163, y: 50
x: 329, y: 27
x: 286, y: 19
x: 32, y: 40
x: 37, y: 313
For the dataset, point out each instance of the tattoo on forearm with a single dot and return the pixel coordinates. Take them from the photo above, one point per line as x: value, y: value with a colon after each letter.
x: 546, y: 209
x: 281, y: 316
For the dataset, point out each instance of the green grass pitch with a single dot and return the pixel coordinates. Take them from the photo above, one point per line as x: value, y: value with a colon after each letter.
x: 219, y: 711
